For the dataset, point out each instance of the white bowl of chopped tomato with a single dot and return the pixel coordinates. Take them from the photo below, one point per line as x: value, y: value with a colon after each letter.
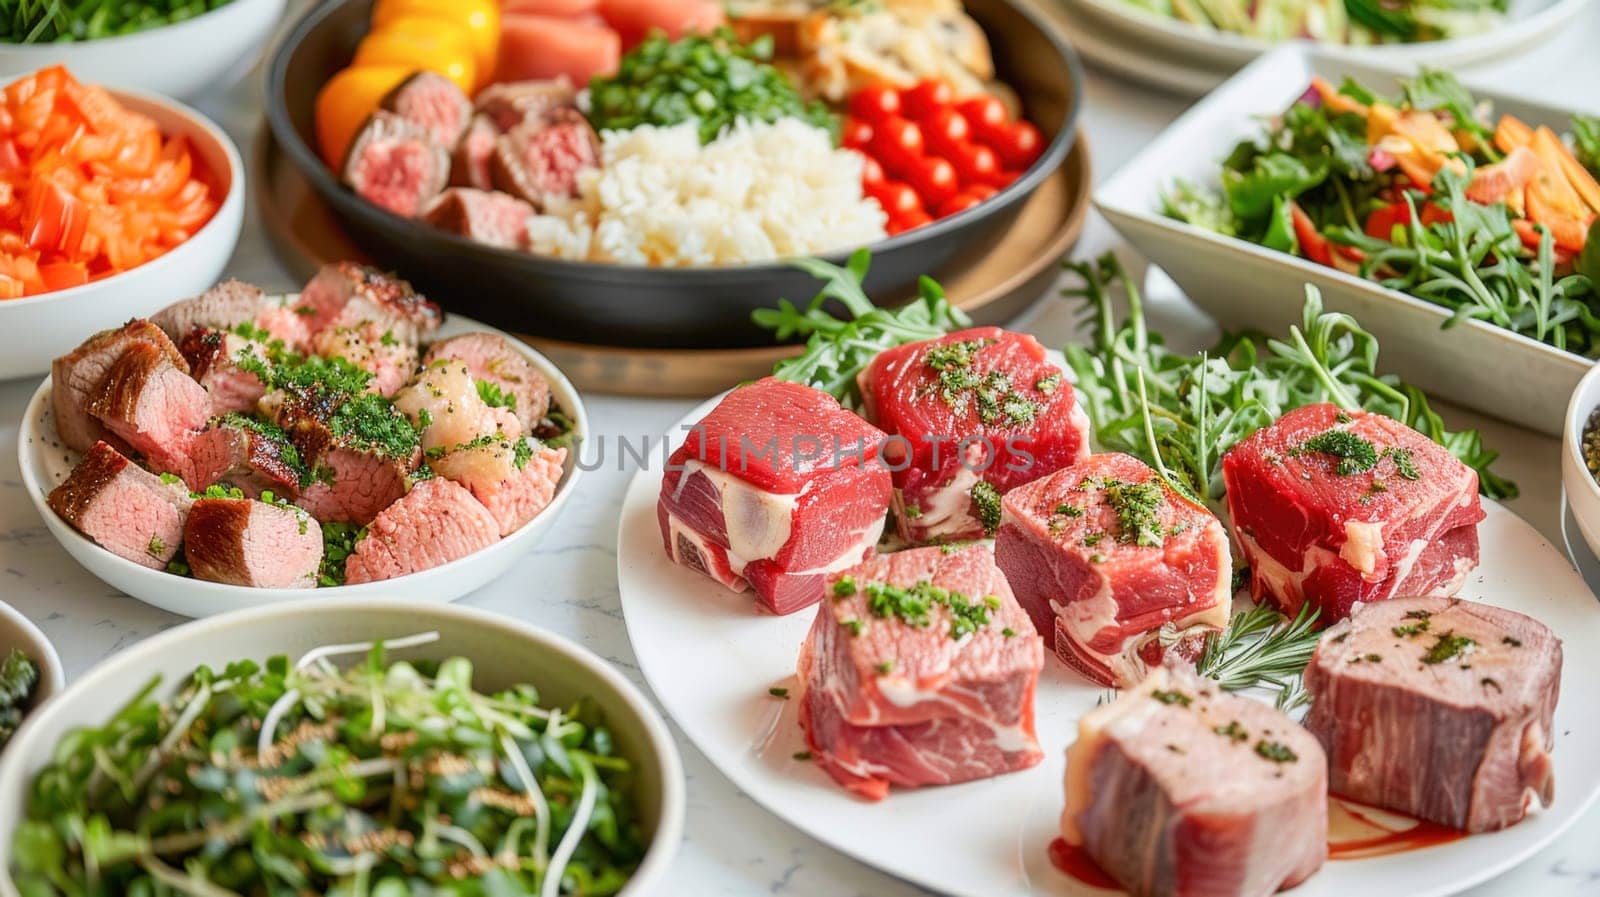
x: 111, y: 204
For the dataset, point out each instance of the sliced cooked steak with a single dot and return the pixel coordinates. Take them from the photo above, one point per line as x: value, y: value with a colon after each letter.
x: 253, y: 455
x: 1179, y: 789
x: 777, y: 487
x: 1333, y: 508
x: 243, y: 542
x: 541, y: 158
x: 434, y: 103
x: 153, y: 405
x: 977, y: 412
x: 1438, y: 708
x: 346, y: 294
x: 435, y: 523
x: 395, y: 164
x: 1115, y: 567
x: 510, y: 103
x: 446, y: 406
x: 126, y: 509
x: 485, y: 216
x: 213, y: 357
x: 920, y: 671
x: 514, y: 379
x: 76, y: 377
x: 230, y: 304
x: 469, y: 163
x: 360, y: 459
x: 510, y: 477
x: 372, y: 347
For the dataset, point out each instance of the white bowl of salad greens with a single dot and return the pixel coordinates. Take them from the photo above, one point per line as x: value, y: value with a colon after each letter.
x: 1307, y: 168
x: 180, y: 48
x: 285, y: 751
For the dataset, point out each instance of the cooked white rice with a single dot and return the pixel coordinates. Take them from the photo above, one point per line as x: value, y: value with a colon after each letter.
x: 757, y: 193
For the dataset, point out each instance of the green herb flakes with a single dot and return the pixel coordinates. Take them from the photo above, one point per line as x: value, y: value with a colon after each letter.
x: 1233, y: 731
x: 1172, y: 697
x: 986, y: 501
x: 1447, y: 646
x: 1356, y: 455
x: 1275, y: 751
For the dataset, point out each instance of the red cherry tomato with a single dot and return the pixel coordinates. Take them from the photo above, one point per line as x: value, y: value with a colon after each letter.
x: 856, y: 133
x: 988, y: 117
x: 926, y: 98
x: 871, y: 172
x: 898, y: 144
x: 959, y: 203
x: 908, y: 221
x: 875, y: 102
x: 896, y: 197
x: 945, y: 131
x: 935, y: 180
x: 1022, y: 144
x: 976, y: 164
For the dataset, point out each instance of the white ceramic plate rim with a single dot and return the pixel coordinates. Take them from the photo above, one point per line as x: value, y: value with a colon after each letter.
x: 566, y: 396
x: 107, y: 673
x: 174, y: 256
x: 637, y: 531
x: 1135, y: 178
x: 1511, y: 32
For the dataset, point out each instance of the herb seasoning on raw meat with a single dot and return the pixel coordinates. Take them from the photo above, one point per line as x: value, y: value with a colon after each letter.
x: 913, y: 604
x: 1356, y: 455
x: 986, y: 499
x: 1172, y: 697
x: 1449, y: 645
x: 1276, y: 752
x: 1137, y: 506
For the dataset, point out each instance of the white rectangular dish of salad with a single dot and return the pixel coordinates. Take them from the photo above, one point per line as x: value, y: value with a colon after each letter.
x: 1453, y: 222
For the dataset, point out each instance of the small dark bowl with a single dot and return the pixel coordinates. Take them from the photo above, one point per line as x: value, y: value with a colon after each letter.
x: 623, y: 305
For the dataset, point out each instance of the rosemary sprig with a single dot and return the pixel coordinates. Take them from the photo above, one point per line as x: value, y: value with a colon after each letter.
x: 1263, y: 648
x: 837, y: 349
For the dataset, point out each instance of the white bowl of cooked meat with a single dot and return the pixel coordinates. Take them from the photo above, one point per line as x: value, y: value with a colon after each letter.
x: 237, y: 449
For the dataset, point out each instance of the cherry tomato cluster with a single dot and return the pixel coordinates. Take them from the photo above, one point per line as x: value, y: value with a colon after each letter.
x: 929, y: 156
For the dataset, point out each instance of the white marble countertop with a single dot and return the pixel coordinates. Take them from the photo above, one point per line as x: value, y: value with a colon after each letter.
x: 568, y: 584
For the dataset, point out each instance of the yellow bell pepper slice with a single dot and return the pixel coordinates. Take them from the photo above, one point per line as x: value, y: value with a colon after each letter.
x: 480, y: 19
x: 345, y: 102
x: 428, y: 44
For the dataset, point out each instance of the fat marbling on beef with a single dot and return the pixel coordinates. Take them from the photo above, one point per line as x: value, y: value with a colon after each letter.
x: 1115, y: 566
x: 1335, y: 507
x: 124, y: 508
x: 920, y: 670
x: 773, y: 490
x: 492, y: 360
x: 1438, y: 708
x: 77, y: 376
x: 1179, y: 789
x: 243, y: 542
x: 972, y: 414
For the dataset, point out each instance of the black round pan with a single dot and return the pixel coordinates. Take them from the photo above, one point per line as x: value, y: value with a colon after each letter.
x: 634, y: 306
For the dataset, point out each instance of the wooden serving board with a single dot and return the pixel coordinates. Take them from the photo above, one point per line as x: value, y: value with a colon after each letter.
x: 994, y: 281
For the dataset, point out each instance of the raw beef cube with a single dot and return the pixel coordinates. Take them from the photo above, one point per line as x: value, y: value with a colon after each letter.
x: 920, y: 670
x: 541, y: 158
x: 980, y: 406
x: 1178, y: 789
x: 489, y: 358
x: 1333, y: 507
x: 243, y: 542
x: 483, y: 216
x: 1438, y: 708
x: 394, y: 164
x: 76, y: 378
x: 153, y: 405
x: 228, y: 305
x: 434, y: 103
x: 435, y: 523
x: 252, y: 455
x: 773, y: 490
x: 128, y: 510
x: 1115, y: 567
x: 215, y: 358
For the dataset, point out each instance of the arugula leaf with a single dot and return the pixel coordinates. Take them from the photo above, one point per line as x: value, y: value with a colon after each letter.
x: 1251, y: 194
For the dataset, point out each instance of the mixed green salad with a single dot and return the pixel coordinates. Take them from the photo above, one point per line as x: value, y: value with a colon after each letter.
x: 59, y: 21
x: 1427, y: 193
x: 1352, y: 22
x: 384, y: 780
x: 19, y: 679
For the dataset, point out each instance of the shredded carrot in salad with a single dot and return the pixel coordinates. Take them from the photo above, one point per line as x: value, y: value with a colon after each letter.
x: 88, y: 188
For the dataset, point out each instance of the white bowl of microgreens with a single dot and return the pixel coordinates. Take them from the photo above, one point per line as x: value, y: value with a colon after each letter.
x: 180, y: 48
x: 350, y: 747
x: 30, y: 670
x: 1580, y: 457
